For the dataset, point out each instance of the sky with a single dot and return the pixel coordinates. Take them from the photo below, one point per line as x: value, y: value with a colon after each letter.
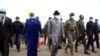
x: 46, y: 8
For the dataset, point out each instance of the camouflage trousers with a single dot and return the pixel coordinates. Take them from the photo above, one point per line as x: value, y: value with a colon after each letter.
x: 70, y: 38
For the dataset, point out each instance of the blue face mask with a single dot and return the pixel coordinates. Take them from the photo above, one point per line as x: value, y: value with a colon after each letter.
x: 2, y: 15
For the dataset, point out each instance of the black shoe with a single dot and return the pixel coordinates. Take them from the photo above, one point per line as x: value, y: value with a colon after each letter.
x: 98, y: 47
x: 86, y: 53
x: 22, y: 42
x: 59, y: 47
x: 88, y: 49
x: 94, y: 51
x: 18, y: 50
x: 76, y: 51
x: 11, y: 46
x: 14, y: 43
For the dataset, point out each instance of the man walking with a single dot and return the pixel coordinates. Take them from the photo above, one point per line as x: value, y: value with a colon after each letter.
x: 17, y: 30
x: 5, y: 33
x: 54, y: 31
x: 70, y: 27
x: 96, y: 33
x: 31, y: 30
x: 81, y: 34
x: 90, y: 32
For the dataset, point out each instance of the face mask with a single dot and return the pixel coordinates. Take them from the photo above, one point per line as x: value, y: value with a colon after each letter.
x: 17, y: 19
x: 96, y: 21
x: 81, y: 18
x: 32, y: 17
x: 2, y: 15
x: 56, y: 16
x: 72, y: 17
x: 91, y: 19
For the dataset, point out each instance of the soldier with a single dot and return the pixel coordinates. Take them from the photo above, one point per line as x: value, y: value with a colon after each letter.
x: 81, y: 34
x: 96, y: 33
x: 90, y: 32
x: 63, y: 40
x: 49, y: 40
x: 70, y: 27
x: 54, y: 32
x: 45, y: 30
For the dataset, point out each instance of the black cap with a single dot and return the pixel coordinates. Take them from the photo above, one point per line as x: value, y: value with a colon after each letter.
x: 49, y: 18
x: 56, y: 12
x: 71, y: 14
x: 81, y: 16
x: 96, y: 19
x: 91, y: 17
x: 17, y: 17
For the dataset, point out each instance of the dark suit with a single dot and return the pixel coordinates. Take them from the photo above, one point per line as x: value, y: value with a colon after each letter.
x: 96, y: 34
x: 81, y: 31
x: 90, y: 32
x: 5, y: 34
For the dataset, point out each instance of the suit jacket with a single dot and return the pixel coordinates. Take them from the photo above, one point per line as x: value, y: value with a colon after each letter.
x: 96, y: 28
x: 90, y: 28
x: 6, y: 29
x: 80, y: 27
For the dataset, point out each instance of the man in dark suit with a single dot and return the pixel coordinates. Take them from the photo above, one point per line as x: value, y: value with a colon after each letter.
x: 90, y: 27
x: 96, y: 33
x: 81, y: 34
x: 5, y: 32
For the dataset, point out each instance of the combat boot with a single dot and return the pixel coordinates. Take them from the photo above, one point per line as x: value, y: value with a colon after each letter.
x: 72, y: 54
x: 66, y: 51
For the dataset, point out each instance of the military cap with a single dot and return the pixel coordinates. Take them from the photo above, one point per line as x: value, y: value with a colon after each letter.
x: 91, y: 17
x: 71, y: 14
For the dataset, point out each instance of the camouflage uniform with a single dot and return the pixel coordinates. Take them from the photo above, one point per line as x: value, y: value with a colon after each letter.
x: 70, y: 26
x: 45, y: 31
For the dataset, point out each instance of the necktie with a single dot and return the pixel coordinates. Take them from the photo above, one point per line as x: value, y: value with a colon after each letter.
x: 1, y: 21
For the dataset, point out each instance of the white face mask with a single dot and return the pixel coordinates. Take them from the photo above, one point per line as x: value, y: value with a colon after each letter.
x: 91, y: 19
x: 57, y: 17
x: 72, y: 17
x: 32, y: 17
x: 17, y: 19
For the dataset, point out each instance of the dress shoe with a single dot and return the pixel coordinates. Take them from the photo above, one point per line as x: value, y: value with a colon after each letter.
x: 76, y: 51
x: 86, y: 53
x: 18, y: 50
x: 49, y: 50
x: 94, y: 51
x: 98, y: 47
x: 88, y: 49
x: 59, y: 47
